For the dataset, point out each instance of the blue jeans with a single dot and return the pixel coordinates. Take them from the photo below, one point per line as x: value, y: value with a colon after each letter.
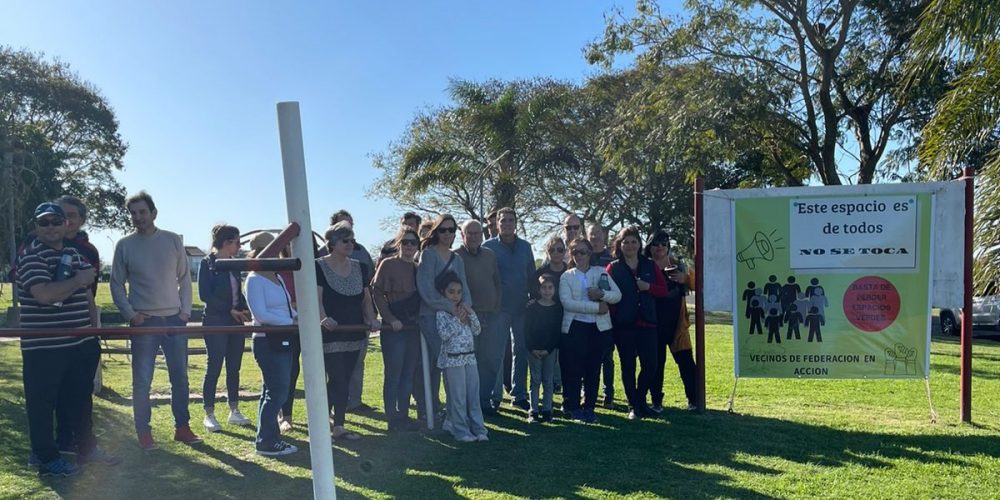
x: 144, y: 349
x: 489, y: 360
x: 400, y: 351
x: 275, y: 369
x: 222, y: 348
x: 542, y: 375
x: 514, y: 323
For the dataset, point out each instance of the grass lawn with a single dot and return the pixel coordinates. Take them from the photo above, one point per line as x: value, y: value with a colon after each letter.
x: 788, y: 438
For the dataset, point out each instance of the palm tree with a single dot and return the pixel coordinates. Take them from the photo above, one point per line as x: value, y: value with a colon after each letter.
x: 964, y: 36
x: 493, y: 136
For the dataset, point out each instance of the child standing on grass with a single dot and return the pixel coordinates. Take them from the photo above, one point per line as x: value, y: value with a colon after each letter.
x: 542, y: 334
x: 458, y: 361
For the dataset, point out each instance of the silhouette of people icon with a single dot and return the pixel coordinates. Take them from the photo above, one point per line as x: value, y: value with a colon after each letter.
x: 793, y: 317
x: 756, y: 315
x: 772, y: 287
x: 789, y: 291
x: 773, y: 324
x: 814, y: 320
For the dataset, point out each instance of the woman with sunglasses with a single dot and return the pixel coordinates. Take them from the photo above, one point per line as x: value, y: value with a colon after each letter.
x: 555, y: 264
x: 635, y: 317
x: 585, y: 292
x: 345, y: 299
x: 672, y: 324
x: 437, y: 258
x: 225, y: 305
x: 395, y: 292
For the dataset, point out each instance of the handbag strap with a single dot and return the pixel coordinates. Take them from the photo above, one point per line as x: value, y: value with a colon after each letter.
x: 446, y: 266
x: 288, y: 303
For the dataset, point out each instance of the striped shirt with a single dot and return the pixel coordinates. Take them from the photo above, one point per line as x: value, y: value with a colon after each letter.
x: 37, y: 266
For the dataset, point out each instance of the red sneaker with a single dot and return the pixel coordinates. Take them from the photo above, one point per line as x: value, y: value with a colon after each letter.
x: 146, y: 441
x: 184, y: 435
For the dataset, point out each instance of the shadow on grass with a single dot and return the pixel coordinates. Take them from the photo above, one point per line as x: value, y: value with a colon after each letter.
x: 682, y: 455
x: 663, y: 458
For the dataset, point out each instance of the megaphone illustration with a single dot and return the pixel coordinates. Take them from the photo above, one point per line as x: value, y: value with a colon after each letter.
x: 760, y: 248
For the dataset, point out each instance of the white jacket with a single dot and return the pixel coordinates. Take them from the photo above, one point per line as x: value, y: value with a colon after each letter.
x: 573, y: 295
x: 269, y: 303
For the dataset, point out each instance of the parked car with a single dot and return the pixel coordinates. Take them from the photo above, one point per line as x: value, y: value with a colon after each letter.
x: 985, y: 313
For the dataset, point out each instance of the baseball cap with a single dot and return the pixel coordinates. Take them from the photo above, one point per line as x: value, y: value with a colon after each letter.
x: 49, y: 208
x: 261, y: 240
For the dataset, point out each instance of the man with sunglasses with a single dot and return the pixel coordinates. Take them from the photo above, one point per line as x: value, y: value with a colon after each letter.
x: 572, y: 228
x: 516, y: 262
x: 53, y: 280
x: 483, y: 276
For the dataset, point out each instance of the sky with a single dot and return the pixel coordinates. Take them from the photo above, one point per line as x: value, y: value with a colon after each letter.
x: 194, y: 86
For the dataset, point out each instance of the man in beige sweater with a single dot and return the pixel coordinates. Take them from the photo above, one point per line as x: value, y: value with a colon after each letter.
x: 483, y: 276
x: 155, y: 265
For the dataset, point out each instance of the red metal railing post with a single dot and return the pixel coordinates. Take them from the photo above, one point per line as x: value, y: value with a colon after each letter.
x: 699, y: 281
x: 965, y: 387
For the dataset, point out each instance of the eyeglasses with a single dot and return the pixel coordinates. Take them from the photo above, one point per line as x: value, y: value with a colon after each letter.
x: 573, y: 227
x: 557, y: 250
x: 408, y: 243
x: 581, y: 252
x: 49, y: 222
x: 443, y: 230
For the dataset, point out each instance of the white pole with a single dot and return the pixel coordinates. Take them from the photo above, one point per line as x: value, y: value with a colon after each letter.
x: 314, y: 374
x: 428, y: 407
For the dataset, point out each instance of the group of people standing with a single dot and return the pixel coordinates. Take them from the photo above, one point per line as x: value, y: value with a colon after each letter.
x: 473, y: 306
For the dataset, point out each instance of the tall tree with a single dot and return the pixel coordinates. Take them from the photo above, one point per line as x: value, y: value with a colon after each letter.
x: 479, y: 153
x: 823, y: 67
x: 964, y: 36
x: 58, y: 135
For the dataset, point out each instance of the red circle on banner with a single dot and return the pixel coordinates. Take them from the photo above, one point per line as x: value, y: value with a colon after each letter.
x: 871, y: 303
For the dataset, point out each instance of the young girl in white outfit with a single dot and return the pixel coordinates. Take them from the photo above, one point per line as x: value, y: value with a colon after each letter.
x: 458, y: 361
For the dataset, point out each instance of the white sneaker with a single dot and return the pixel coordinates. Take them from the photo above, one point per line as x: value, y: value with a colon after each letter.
x: 237, y: 418
x: 210, y: 423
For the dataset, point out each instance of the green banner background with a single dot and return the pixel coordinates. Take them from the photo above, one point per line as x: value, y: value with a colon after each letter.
x: 846, y: 351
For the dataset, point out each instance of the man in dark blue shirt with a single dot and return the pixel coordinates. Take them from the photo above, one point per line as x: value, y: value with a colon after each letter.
x: 516, y: 262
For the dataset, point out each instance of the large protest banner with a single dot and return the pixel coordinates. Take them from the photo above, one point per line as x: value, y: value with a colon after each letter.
x: 832, y: 287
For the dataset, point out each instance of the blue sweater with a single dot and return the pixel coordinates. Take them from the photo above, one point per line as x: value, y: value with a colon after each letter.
x: 517, y: 268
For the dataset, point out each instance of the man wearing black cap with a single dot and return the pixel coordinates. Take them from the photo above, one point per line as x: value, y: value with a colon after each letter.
x: 53, y: 281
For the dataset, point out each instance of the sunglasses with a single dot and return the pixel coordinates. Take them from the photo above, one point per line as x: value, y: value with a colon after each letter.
x: 574, y: 227
x: 49, y: 222
x: 408, y: 243
x: 581, y: 252
x: 557, y: 250
x: 443, y: 230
